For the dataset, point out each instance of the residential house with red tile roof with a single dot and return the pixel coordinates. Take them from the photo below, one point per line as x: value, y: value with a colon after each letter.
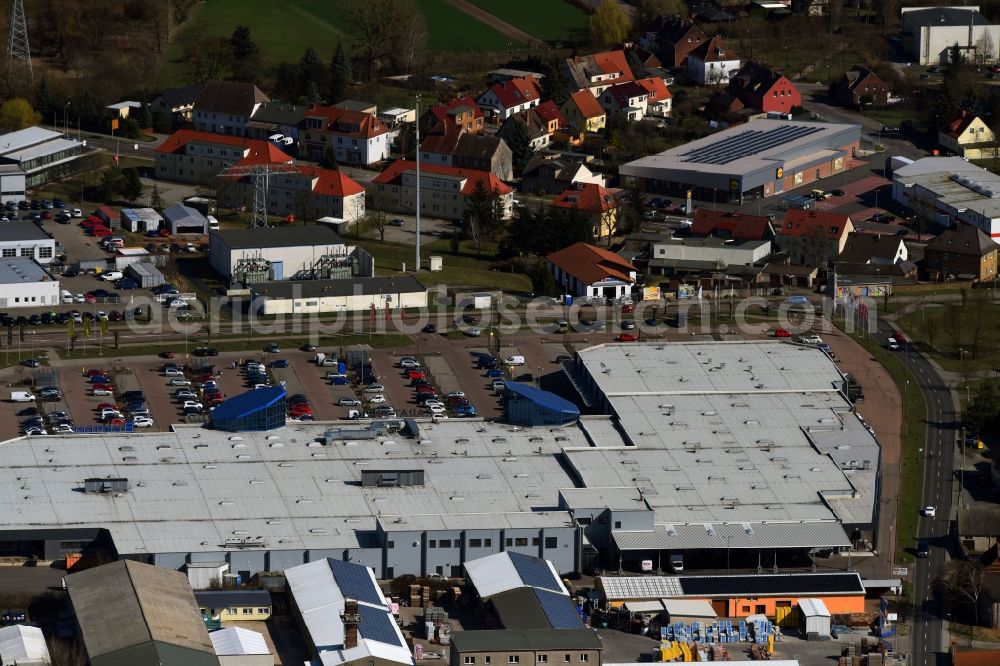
x: 597, y: 71
x: 189, y: 156
x: 764, y: 89
x: 813, y: 238
x: 225, y: 107
x: 730, y: 225
x: 659, y: 100
x: 965, y: 134
x: 859, y: 87
x: 454, y: 147
x: 308, y: 193
x: 541, y: 126
x: 597, y: 203
x: 551, y: 172
x: 583, y: 111
x: 672, y: 38
x: 505, y: 98
x: 975, y: 657
x: 628, y: 99
x: 444, y: 191
x: 345, y: 135
x: 712, y: 63
x: 588, y: 271
x: 459, y: 112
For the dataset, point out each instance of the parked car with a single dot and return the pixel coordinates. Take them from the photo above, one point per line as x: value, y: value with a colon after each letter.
x: 348, y: 402
x: 627, y: 337
x: 179, y: 381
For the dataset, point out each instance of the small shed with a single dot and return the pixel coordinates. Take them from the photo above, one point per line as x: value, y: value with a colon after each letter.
x: 126, y: 256
x: 141, y: 220
x: 22, y: 645
x: 202, y: 575
x: 687, y: 610
x: 147, y: 275
x: 183, y: 219
x: 236, y: 646
x: 816, y: 619
x: 111, y: 218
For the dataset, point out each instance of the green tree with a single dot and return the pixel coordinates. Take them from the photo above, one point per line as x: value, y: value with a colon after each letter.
x: 554, y: 84
x: 543, y: 283
x: 245, y: 55
x: 130, y: 187
x: 286, y: 82
x: 16, y: 114
x: 609, y: 24
x: 382, y: 26
x: 340, y: 75
x: 146, y: 116
x: 311, y: 74
x: 519, y: 141
x: 110, y: 184
x: 983, y: 411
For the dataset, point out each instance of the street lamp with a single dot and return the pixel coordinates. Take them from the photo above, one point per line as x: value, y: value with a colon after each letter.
x: 66, y: 118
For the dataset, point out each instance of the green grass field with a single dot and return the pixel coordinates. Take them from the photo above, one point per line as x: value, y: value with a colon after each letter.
x: 282, y: 31
x: 550, y: 21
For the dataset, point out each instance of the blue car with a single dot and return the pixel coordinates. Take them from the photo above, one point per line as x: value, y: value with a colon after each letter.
x: 339, y: 381
x: 496, y: 372
x: 100, y: 379
x: 798, y: 300
x: 464, y: 411
x: 280, y: 363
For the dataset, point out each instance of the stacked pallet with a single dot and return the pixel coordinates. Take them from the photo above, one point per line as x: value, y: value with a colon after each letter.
x: 419, y: 596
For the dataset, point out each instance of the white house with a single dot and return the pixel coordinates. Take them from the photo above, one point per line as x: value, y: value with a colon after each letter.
x: 592, y: 272
x: 931, y: 32
x: 347, y: 135
x: 504, y: 99
x: 712, y: 64
x: 225, y: 107
x: 25, y: 284
x: 26, y: 240
x: 628, y: 98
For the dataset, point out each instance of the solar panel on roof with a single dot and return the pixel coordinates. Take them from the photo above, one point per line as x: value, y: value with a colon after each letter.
x: 376, y: 625
x: 747, y: 143
x: 559, y: 610
x: 355, y: 582
x: 534, y: 571
x: 782, y: 584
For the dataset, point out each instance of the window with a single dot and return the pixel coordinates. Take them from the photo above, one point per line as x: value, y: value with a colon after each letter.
x: 603, y: 520
x: 469, y: 659
x: 745, y: 609
x: 487, y: 543
x: 584, y: 657
x: 535, y: 541
x: 263, y: 611
x: 521, y: 541
x: 432, y: 544
x: 247, y: 611
x: 487, y: 660
x: 475, y: 543
x: 390, y: 544
x: 231, y: 611
x: 10, y: 252
x: 551, y: 542
x: 510, y: 542
x: 618, y: 524
x: 542, y: 659
x: 567, y: 658
x: 585, y: 520
x: 45, y: 253
x: 760, y: 608
x: 513, y: 659
x: 444, y: 543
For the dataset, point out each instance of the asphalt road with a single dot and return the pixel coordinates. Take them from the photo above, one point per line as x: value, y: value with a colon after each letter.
x: 938, y: 490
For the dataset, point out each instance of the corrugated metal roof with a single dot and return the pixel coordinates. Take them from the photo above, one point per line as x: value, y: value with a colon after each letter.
x: 688, y: 608
x: 233, y: 641
x: 813, y: 608
x: 22, y: 644
x: 640, y: 588
x: 758, y: 535
x: 498, y: 573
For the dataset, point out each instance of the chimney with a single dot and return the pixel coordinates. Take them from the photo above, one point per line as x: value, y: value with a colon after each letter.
x: 351, y: 620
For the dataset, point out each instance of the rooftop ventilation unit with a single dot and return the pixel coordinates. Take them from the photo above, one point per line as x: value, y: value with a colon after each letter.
x: 108, y: 485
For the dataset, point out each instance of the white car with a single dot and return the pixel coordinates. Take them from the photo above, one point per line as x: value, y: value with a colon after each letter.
x: 79, y: 298
x: 436, y: 410
x: 498, y: 385
x: 455, y: 394
x: 377, y: 398
x: 35, y: 430
x: 811, y: 340
x: 374, y: 388
x: 111, y: 276
x: 433, y: 403
x: 260, y: 386
x: 180, y: 381
x: 192, y: 403
x: 106, y: 412
x: 185, y: 394
x: 348, y: 402
x: 142, y: 422
x: 101, y: 391
x: 929, y: 511
x: 173, y: 372
x: 409, y: 363
x: 77, y: 212
x: 64, y: 428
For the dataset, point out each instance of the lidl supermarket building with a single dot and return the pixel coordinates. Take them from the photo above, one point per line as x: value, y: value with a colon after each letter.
x: 762, y: 158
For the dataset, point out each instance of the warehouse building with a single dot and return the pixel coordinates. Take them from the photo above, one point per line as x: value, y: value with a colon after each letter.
x: 26, y: 240
x: 762, y: 158
x: 312, y: 251
x: 41, y: 155
x: 343, y: 295
x: 25, y: 284
x: 344, y: 615
x: 141, y: 220
x: 259, y: 409
x: 149, y: 618
x: 236, y: 646
x: 181, y: 219
x: 533, y: 646
x: 702, y: 449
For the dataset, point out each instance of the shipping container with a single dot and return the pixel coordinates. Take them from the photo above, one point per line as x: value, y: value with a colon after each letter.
x: 147, y: 275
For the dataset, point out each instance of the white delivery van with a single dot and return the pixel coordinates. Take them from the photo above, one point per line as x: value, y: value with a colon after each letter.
x: 892, y: 344
x: 213, y: 223
x: 67, y: 297
x: 21, y: 396
x: 514, y: 360
x: 676, y: 562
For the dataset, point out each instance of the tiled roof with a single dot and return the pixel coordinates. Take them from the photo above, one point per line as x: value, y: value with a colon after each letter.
x: 346, y: 122
x: 862, y: 248
x: 514, y: 92
x: 444, y: 141
x: 331, y: 182
x: 394, y: 173
x: 442, y: 110
x: 622, y: 93
x: 582, y: 68
x: 857, y: 75
x: 714, y: 50
x: 590, y: 264
x: 963, y: 239
x: 590, y: 197
x: 958, y: 123
x: 754, y: 79
x: 815, y: 224
x: 656, y: 88
x: 548, y: 111
x: 256, y: 151
x: 229, y: 97
x: 587, y: 104
x: 723, y: 224
x: 977, y: 658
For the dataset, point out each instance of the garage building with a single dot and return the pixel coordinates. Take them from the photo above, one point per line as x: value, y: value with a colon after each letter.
x: 762, y: 158
x: 26, y: 240
x: 183, y: 219
x: 349, y: 295
x: 312, y: 251
x: 141, y: 220
x: 25, y: 284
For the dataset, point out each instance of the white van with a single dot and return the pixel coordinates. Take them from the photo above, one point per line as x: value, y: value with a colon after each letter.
x: 21, y: 396
x: 275, y: 138
x: 514, y: 360
x: 67, y: 297
x: 676, y: 562
x: 892, y: 344
x: 213, y: 223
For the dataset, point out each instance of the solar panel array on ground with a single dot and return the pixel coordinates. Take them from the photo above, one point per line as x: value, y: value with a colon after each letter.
x: 376, y: 626
x: 746, y: 144
x: 355, y: 582
x: 535, y: 572
x: 791, y: 584
x: 559, y: 610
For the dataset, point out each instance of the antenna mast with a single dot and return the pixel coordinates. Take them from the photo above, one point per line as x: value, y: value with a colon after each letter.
x: 19, y: 71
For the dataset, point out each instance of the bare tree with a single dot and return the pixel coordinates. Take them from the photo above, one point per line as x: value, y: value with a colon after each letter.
x: 379, y: 219
x: 930, y: 327
x: 986, y: 50
x: 410, y: 48
x: 382, y: 25
x: 981, y: 322
x: 964, y: 581
x: 954, y: 324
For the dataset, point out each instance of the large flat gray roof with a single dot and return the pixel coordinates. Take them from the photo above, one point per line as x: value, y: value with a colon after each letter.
x: 18, y: 270
x: 286, y: 236
x: 14, y: 232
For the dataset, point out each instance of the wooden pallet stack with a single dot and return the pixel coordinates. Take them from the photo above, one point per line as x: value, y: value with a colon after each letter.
x: 419, y: 596
x: 759, y: 653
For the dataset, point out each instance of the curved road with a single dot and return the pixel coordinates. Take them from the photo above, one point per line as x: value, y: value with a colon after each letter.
x: 939, y: 487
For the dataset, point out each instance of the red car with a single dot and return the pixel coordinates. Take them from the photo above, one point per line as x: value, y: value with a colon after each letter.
x: 207, y: 377
x: 96, y: 372
x: 92, y: 222
x: 415, y: 374
x: 116, y: 422
x: 627, y: 309
x: 164, y: 233
x: 781, y: 333
x: 106, y: 405
x: 100, y: 232
x: 89, y: 297
x: 627, y: 337
x: 301, y: 411
x: 166, y: 354
x: 425, y: 389
x: 900, y: 338
x: 101, y: 387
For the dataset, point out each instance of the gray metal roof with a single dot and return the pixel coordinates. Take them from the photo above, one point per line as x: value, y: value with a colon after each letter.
x: 359, y: 286
x: 12, y: 232
x: 756, y: 536
x: 18, y: 270
x: 286, y: 236
x: 21, y: 139
x: 945, y: 16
